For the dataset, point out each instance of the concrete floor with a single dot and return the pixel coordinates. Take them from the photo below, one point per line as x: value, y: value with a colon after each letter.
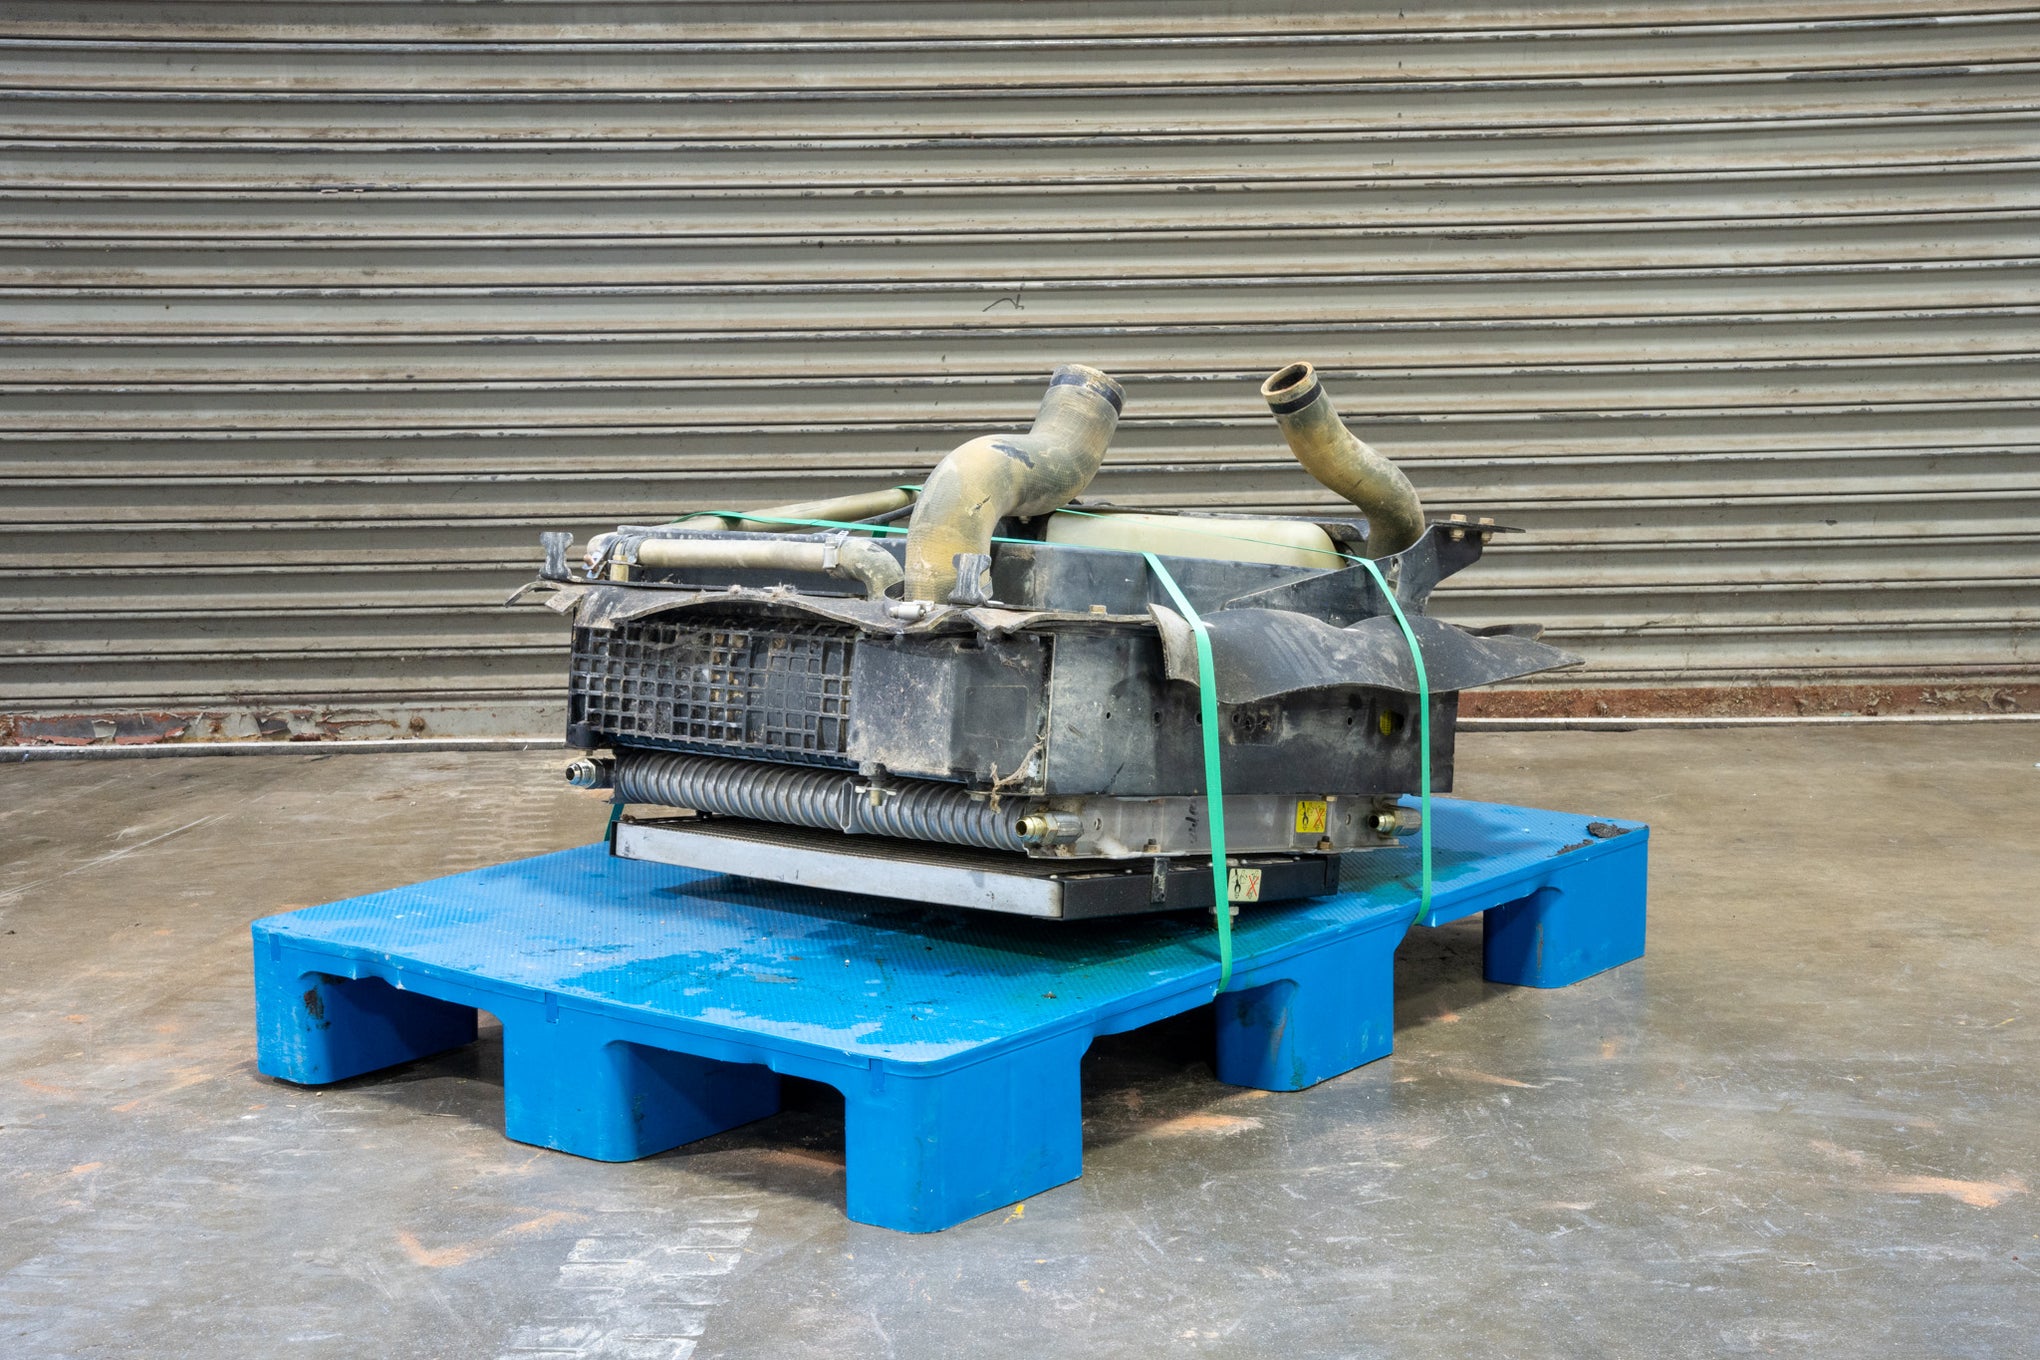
x: 1806, y: 1124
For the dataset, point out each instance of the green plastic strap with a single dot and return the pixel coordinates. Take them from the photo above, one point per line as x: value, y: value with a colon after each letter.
x: 1214, y: 788
x: 756, y: 518
x: 1423, y: 738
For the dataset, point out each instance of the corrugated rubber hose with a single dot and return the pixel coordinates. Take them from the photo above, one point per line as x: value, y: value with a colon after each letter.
x: 827, y: 800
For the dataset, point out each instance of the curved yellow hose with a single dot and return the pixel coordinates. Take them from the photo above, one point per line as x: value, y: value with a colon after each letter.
x: 1331, y: 453
x: 996, y: 475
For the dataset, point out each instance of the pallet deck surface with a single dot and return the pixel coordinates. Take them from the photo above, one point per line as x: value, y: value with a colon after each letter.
x: 645, y: 1006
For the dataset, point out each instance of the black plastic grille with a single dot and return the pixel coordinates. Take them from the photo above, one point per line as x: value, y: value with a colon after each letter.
x: 734, y: 686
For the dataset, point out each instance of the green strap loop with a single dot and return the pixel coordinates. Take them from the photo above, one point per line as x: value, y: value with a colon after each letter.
x: 1423, y: 738
x: 1214, y: 789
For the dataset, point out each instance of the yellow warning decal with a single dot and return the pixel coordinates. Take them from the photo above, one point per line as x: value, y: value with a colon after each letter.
x: 1243, y: 885
x: 1310, y: 817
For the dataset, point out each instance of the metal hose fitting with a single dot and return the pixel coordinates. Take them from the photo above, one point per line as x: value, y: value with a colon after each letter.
x: 1050, y: 828
x: 827, y: 800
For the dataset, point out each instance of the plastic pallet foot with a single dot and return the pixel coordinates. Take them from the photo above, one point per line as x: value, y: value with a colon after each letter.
x: 925, y: 1153
x: 1325, y: 1012
x: 1589, y: 920
x: 569, y: 1084
x: 315, y: 1028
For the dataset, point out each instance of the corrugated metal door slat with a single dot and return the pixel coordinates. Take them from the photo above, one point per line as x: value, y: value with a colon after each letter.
x: 316, y: 314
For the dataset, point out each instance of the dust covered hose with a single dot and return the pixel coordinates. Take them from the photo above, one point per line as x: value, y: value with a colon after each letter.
x: 1347, y: 464
x: 996, y: 475
x: 827, y: 800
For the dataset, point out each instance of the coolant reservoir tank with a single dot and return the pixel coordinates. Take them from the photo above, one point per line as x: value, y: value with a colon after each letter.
x: 1278, y: 542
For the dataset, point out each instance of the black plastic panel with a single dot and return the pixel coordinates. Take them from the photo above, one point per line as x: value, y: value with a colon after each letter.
x: 737, y: 686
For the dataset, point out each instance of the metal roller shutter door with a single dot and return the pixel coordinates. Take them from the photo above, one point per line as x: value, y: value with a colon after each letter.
x: 315, y: 315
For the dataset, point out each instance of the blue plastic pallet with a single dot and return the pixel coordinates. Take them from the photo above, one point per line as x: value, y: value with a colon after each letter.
x: 645, y: 1006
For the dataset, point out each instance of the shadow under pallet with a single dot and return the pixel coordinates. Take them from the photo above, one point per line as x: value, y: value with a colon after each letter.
x: 646, y: 1006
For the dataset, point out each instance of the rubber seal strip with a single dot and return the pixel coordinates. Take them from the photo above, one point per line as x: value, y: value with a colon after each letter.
x: 1294, y: 404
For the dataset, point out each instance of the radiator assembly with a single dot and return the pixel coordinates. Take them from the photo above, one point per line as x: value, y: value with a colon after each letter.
x: 999, y: 707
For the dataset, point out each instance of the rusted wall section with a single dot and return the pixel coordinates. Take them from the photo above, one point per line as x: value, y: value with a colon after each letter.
x: 1754, y: 701
x: 313, y: 723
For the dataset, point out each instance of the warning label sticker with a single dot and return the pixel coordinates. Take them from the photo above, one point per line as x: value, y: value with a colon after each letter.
x: 1243, y: 885
x: 1310, y: 817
